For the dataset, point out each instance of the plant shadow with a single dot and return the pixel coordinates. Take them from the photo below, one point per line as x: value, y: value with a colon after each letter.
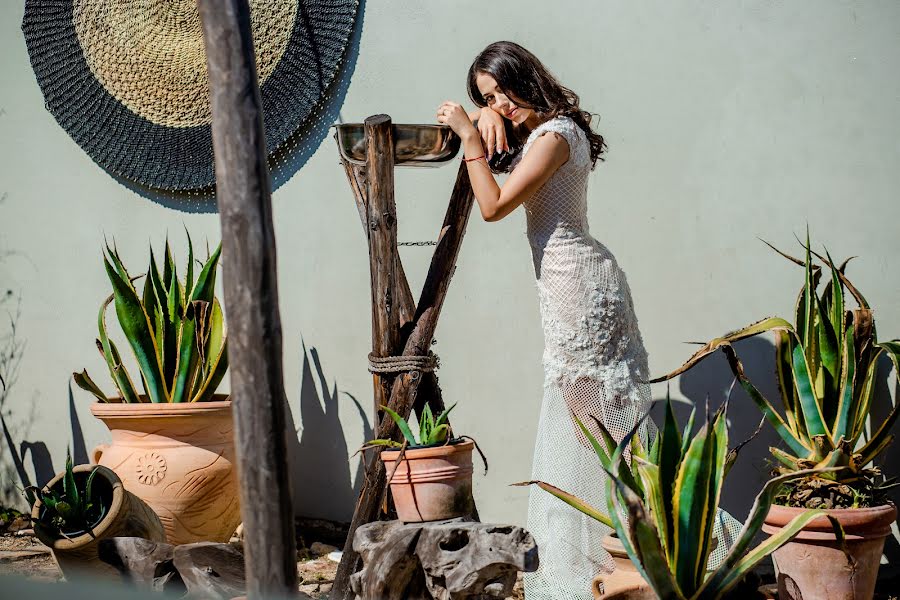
x: 323, y: 486
x: 38, y: 454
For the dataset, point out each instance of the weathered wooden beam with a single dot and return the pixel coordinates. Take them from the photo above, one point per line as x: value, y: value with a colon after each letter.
x: 403, y: 394
x: 251, y: 298
x: 381, y: 219
x: 429, y: 390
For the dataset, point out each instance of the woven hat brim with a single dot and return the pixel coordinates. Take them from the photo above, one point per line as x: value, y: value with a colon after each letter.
x: 178, y: 158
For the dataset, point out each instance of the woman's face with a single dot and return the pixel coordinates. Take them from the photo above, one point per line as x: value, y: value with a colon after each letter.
x: 498, y: 101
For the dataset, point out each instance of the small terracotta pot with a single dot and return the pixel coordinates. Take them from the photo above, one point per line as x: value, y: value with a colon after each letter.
x: 625, y: 582
x: 431, y: 484
x: 126, y: 515
x: 179, y: 459
x: 812, y: 565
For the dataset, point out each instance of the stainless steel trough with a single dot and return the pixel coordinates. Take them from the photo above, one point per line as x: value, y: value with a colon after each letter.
x: 414, y: 145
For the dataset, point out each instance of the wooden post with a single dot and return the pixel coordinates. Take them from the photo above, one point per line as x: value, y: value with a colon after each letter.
x: 429, y: 390
x: 251, y: 299
x: 383, y: 260
x: 404, y: 391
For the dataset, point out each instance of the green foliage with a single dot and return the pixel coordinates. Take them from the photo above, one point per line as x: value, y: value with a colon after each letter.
x: 826, y: 365
x: 73, y: 509
x: 176, y: 331
x: 671, y: 495
x: 431, y: 430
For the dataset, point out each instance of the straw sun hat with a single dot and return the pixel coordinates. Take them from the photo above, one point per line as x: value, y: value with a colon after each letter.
x: 127, y: 78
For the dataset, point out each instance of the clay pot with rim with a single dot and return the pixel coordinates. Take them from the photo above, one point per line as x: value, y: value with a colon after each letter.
x: 179, y: 459
x: 124, y: 514
x: 813, y: 565
x: 431, y: 483
x: 625, y: 582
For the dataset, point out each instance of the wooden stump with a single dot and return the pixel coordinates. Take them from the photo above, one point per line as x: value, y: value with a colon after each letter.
x: 447, y: 560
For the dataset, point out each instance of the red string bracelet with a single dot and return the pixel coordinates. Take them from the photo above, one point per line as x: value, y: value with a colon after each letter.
x: 464, y: 159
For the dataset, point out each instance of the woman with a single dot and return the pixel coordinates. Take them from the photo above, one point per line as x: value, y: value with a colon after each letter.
x: 594, y: 359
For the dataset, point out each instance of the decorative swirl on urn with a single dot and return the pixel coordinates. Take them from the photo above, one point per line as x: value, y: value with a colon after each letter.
x: 151, y: 468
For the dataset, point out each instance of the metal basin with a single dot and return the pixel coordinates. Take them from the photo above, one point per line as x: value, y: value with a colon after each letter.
x: 414, y: 145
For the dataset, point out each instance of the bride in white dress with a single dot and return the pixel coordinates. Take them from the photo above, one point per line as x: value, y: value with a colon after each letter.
x: 594, y: 358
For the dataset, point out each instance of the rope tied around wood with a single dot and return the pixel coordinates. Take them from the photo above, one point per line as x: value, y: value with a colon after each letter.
x: 401, y: 364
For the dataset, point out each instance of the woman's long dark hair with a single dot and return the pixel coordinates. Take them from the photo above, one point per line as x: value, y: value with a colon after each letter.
x: 529, y: 84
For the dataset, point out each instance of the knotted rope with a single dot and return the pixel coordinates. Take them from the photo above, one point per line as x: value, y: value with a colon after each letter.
x: 402, y: 364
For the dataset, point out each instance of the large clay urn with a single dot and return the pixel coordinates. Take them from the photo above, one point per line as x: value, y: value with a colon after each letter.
x: 813, y: 565
x: 625, y: 582
x: 179, y: 459
x: 431, y: 483
x: 125, y: 515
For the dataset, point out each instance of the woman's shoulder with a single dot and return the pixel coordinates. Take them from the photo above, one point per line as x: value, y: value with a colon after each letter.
x: 567, y: 128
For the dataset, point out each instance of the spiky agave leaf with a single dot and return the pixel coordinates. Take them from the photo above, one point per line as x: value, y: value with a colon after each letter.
x: 402, y: 425
x: 573, y: 501
x: 136, y: 325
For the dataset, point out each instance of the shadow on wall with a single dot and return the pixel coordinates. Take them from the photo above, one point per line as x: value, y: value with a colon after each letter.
x: 711, y: 379
x: 882, y: 403
x: 295, y: 151
x: 38, y: 454
x: 321, y: 481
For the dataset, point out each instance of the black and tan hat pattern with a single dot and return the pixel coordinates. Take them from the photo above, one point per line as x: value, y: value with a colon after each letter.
x: 127, y: 78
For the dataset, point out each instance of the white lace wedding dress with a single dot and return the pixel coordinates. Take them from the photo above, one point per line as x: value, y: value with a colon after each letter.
x: 594, y: 362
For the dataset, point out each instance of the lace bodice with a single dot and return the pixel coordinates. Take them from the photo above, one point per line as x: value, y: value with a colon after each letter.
x: 590, y: 329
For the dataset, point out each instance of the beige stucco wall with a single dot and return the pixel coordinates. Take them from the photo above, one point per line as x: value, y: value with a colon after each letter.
x: 725, y: 122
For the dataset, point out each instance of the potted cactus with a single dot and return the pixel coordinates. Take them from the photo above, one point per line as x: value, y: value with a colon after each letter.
x: 83, y: 505
x: 670, y: 494
x: 430, y: 476
x: 825, y: 364
x: 172, y: 440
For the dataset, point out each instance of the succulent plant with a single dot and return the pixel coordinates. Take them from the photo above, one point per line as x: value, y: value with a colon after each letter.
x: 825, y: 365
x: 431, y: 430
x: 176, y: 331
x: 671, y: 495
x: 74, y: 509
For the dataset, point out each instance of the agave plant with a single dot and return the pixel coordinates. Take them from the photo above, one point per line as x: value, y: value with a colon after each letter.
x: 431, y: 430
x: 176, y: 331
x: 74, y: 509
x: 671, y: 497
x: 825, y: 365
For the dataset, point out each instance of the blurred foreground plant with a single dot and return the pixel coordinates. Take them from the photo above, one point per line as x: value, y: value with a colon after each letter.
x: 670, y: 497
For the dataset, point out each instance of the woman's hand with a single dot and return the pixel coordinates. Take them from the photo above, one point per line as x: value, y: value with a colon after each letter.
x: 452, y: 114
x: 492, y: 131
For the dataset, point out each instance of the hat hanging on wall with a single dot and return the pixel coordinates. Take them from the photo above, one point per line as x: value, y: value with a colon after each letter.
x: 127, y: 78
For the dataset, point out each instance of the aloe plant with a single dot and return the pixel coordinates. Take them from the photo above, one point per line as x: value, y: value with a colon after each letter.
x: 431, y: 430
x: 670, y: 494
x: 175, y: 328
x: 74, y: 509
x: 825, y: 364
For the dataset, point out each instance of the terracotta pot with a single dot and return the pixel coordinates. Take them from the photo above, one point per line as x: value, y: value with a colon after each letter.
x: 179, y: 459
x: 812, y: 565
x: 625, y: 582
x: 126, y: 515
x: 431, y: 484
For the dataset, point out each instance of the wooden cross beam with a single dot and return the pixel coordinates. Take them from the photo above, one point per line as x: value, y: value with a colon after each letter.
x: 392, y: 300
